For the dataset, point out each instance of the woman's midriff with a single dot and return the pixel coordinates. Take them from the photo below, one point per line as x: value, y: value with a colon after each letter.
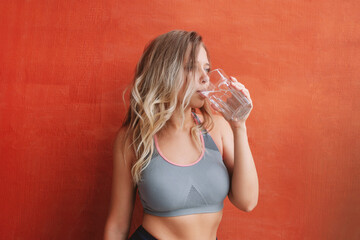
x: 196, y: 226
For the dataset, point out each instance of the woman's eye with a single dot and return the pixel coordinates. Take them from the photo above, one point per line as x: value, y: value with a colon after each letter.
x: 207, y: 70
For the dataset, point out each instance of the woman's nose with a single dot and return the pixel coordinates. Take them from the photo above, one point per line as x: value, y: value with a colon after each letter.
x: 204, y: 77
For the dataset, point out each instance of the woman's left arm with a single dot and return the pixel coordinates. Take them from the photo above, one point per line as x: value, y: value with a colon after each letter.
x: 244, y: 189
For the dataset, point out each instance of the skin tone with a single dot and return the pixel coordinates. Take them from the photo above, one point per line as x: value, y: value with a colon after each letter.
x: 230, y: 138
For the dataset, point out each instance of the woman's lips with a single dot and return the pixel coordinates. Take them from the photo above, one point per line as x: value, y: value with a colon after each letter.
x: 201, y: 94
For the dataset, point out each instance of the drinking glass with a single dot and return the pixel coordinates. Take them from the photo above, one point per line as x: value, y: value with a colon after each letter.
x: 232, y: 103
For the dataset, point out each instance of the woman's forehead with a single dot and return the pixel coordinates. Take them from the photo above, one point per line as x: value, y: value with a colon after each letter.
x: 201, y: 55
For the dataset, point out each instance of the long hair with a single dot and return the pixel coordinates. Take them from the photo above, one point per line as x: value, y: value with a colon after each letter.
x: 159, y: 75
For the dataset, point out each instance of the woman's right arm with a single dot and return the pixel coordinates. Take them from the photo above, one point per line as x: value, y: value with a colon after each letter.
x: 123, y: 191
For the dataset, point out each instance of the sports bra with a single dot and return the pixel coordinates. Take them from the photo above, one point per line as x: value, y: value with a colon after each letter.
x: 168, y: 189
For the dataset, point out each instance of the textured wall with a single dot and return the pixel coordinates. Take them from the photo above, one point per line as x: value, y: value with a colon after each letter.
x: 64, y: 65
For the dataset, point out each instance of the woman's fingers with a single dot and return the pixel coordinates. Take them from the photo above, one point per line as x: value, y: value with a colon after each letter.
x: 246, y: 93
x: 233, y: 79
x: 234, y: 82
x: 240, y: 87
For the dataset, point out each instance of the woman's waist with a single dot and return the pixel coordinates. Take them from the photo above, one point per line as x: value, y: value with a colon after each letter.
x: 194, y: 226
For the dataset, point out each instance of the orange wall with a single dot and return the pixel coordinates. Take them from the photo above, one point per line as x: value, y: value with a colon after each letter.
x: 64, y: 65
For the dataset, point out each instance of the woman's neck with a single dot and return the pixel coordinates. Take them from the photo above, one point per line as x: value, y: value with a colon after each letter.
x: 175, y: 122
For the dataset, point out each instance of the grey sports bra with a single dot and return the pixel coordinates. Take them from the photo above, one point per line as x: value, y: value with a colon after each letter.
x: 169, y: 189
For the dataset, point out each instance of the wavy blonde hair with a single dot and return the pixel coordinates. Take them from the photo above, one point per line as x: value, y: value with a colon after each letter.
x: 159, y: 76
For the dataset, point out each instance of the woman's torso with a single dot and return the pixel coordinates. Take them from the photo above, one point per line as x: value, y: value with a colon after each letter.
x: 180, y: 169
x: 190, y: 227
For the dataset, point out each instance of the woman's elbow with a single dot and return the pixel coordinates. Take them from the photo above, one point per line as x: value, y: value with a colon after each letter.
x: 249, y: 207
x: 246, y: 206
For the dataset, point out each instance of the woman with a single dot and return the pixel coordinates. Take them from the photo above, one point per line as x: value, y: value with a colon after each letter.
x: 183, y: 163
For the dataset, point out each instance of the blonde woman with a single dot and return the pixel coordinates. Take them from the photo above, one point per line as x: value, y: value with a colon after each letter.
x: 182, y: 159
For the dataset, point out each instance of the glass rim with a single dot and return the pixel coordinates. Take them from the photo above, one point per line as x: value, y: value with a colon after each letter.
x: 216, y: 70
x: 220, y: 72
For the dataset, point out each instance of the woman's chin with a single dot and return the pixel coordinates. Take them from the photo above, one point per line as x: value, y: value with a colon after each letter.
x: 197, y: 104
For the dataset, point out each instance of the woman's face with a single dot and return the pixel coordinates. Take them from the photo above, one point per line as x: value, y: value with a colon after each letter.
x: 200, y: 78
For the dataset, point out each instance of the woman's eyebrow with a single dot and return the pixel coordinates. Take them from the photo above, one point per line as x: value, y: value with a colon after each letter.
x: 205, y: 63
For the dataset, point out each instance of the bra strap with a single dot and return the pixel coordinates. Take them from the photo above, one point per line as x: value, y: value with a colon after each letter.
x: 197, y: 120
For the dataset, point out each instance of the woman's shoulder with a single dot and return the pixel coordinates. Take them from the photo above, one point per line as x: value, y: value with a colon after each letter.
x: 120, y: 135
x: 122, y: 143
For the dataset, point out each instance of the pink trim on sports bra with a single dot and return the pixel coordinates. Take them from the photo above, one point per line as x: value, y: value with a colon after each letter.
x: 180, y: 165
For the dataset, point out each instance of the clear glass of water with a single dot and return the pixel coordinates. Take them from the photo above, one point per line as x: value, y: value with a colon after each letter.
x: 232, y: 103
